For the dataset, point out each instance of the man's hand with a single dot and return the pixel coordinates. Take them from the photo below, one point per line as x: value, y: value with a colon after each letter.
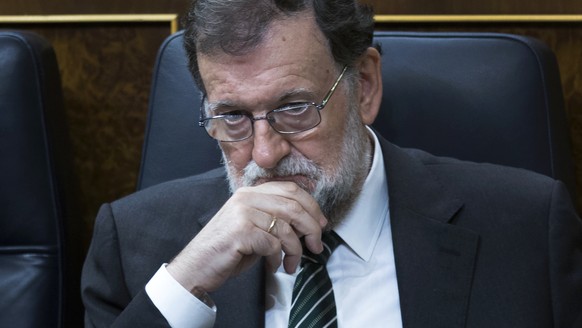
x: 237, y: 236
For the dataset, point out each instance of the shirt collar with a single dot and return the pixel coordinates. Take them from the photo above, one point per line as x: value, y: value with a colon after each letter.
x: 362, y: 225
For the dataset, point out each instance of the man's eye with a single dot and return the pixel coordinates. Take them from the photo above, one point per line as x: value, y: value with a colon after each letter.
x: 233, y: 118
x: 233, y: 114
x: 295, y: 110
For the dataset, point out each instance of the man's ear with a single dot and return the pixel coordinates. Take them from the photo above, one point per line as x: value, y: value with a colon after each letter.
x: 370, y: 78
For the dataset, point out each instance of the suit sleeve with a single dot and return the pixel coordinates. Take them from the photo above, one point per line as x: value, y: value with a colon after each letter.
x: 105, y: 296
x: 565, y: 246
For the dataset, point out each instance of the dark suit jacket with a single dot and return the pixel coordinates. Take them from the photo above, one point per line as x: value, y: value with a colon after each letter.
x: 476, y: 245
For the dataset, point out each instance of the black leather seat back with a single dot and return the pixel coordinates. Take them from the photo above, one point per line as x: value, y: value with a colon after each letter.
x: 480, y: 97
x: 31, y: 206
x: 174, y: 145
x: 476, y: 96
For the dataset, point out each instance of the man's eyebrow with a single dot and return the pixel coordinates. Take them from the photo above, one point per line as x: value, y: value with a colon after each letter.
x: 290, y: 95
x: 221, y: 104
x: 297, y: 93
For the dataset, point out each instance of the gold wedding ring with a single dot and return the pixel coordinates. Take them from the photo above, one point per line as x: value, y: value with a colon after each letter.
x: 272, y: 225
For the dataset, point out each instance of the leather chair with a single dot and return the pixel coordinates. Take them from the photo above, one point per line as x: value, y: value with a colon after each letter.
x: 33, y: 171
x: 482, y: 97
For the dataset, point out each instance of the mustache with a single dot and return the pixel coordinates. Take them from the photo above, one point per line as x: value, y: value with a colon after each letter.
x: 288, y: 166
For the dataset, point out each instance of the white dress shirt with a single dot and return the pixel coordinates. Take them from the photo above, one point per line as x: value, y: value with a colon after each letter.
x: 362, y: 271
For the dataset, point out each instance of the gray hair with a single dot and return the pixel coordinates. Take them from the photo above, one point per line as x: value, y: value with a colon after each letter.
x: 236, y: 27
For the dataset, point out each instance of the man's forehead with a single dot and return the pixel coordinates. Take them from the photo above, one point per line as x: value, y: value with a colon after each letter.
x: 288, y: 42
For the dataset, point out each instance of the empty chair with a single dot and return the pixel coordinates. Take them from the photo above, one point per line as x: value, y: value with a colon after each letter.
x: 33, y: 173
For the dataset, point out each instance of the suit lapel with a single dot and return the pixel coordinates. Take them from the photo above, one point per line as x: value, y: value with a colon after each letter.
x: 434, y: 258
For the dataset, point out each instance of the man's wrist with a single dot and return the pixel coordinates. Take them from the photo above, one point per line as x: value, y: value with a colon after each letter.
x: 203, y: 296
x: 179, y: 306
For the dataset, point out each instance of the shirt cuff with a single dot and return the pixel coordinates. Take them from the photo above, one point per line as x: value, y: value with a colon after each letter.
x: 180, y: 308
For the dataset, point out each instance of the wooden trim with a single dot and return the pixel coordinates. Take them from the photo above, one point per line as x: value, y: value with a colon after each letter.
x: 172, y: 19
x: 393, y: 19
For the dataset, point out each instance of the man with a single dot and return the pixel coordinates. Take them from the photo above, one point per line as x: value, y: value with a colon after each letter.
x: 290, y: 88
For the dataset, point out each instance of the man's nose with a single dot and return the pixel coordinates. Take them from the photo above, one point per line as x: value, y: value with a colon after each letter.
x: 269, y: 147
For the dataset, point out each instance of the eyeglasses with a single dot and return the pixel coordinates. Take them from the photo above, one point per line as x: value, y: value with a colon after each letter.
x: 289, y: 119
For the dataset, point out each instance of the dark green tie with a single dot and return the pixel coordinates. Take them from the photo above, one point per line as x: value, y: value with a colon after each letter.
x: 313, y: 303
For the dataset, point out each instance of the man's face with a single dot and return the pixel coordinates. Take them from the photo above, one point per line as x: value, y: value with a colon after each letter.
x: 292, y: 64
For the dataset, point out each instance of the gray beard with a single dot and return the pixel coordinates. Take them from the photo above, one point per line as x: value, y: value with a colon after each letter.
x: 334, y: 191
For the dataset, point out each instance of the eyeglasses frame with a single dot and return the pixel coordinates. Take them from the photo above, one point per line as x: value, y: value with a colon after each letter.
x: 202, y: 120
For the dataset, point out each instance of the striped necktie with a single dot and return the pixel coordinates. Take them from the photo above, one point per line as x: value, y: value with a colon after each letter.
x: 313, y: 303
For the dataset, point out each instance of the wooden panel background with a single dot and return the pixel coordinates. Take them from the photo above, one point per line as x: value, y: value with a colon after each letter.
x: 106, y: 72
